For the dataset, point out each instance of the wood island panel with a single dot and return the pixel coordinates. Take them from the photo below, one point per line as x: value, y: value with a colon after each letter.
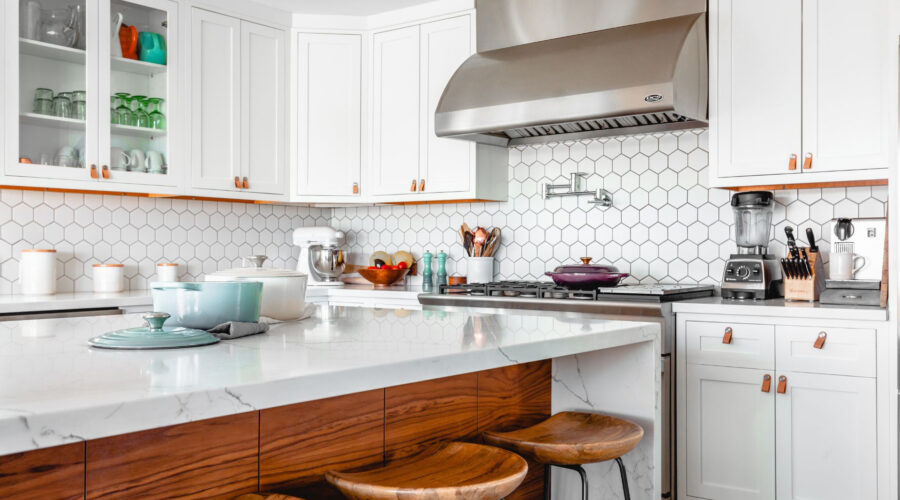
x: 214, y: 458
x: 423, y: 414
x: 300, y: 443
x: 511, y: 398
x: 56, y: 472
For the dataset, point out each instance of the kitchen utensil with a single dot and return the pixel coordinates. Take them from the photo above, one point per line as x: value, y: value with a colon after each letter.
x: 843, y: 229
x: 586, y: 276
x: 155, y: 162
x: 138, y: 161
x: 480, y: 269
x: 792, y: 243
x: 37, y: 271
x: 30, y: 19
x: 383, y: 278
x: 311, y: 240
x: 865, y: 237
x: 128, y: 39
x: 154, y: 336
x: 752, y: 273
x: 811, y: 237
x: 204, y: 305
x: 283, y: 293
x: 60, y: 26
x: 152, y: 47
x: 493, y: 242
x: 118, y: 159
x: 167, y: 272
x: 108, y: 278
x: 115, y: 44
x: 843, y: 266
x: 467, y: 242
x: 478, y: 242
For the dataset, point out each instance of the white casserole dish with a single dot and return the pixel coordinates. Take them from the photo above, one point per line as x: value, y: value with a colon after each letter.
x: 284, y: 290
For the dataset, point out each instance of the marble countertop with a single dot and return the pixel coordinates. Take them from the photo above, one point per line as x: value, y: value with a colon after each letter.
x: 56, y: 389
x: 779, y: 308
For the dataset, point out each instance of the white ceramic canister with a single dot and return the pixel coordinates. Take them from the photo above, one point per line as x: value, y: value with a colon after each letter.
x: 37, y: 271
x: 109, y: 278
x: 479, y: 269
x: 167, y: 272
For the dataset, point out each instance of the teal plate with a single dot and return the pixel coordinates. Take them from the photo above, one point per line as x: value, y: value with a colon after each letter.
x: 154, y: 336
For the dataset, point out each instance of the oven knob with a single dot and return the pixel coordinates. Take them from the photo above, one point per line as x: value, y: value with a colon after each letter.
x: 743, y: 272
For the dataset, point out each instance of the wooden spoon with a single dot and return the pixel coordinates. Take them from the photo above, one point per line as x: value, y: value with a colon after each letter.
x: 493, y: 242
x: 480, y: 239
x: 467, y: 242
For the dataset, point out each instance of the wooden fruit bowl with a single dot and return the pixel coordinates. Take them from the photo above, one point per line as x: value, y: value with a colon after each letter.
x: 383, y: 278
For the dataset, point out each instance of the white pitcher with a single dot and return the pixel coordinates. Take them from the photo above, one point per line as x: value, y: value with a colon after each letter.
x: 115, y: 46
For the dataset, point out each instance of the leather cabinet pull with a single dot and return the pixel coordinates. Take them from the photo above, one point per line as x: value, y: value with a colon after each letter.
x: 807, y: 162
x: 412, y: 188
x: 422, y: 185
x: 94, y: 174
x: 246, y: 184
x: 104, y: 171
x: 237, y: 182
x: 767, y: 383
x: 792, y: 162
x: 726, y: 339
x: 355, y: 188
x: 782, y: 385
x: 820, y: 340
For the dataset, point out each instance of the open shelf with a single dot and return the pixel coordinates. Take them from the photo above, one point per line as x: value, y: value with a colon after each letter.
x: 136, y: 131
x: 135, y: 66
x: 50, y: 51
x: 51, y: 121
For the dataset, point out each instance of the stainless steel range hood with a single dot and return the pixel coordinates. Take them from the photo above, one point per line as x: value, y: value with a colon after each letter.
x: 550, y: 70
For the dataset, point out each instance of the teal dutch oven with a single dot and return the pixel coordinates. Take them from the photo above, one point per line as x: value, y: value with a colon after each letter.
x: 203, y: 305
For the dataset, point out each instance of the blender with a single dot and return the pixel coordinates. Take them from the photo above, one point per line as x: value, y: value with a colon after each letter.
x: 752, y: 273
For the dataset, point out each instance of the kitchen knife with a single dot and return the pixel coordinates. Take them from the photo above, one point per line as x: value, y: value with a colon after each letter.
x: 784, y: 268
x: 792, y: 243
x: 812, y: 240
x: 806, y: 269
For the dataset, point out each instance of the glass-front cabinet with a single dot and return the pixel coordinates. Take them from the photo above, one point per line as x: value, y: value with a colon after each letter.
x: 93, y: 82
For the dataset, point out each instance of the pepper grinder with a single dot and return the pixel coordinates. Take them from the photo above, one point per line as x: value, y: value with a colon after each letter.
x: 442, y: 268
x: 427, y: 275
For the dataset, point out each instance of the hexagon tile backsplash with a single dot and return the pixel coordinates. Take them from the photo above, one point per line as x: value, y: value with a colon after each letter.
x: 664, y: 224
x: 139, y: 232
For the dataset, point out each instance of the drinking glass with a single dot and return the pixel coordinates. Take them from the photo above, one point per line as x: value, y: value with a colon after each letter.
x: 138, y: 107
x: 42, y: 93
x: 157, y: 118
x: 112, y: 110
x: 62, y: 105
x: 43, y: 106
x: 123, y: 114
x: 79, y: 106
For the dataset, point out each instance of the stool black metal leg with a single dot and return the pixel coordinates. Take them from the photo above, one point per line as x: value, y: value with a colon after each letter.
x: 577, y: 468
x: 627, y: 495
x: 546, y: 482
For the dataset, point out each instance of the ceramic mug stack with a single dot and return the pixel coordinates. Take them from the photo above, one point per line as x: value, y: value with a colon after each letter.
x: 137, y: 160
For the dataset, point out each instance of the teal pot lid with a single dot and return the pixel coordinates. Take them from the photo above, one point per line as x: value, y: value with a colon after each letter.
x: 154, y: 336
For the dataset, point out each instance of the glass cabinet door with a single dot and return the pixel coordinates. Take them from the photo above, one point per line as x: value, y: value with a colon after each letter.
x: 137, y: 91
x: 55, y: 89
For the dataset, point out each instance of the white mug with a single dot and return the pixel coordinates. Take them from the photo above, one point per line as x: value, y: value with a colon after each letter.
x: 843, y: 265
x: 155, y: 162
x: 119, y: 159
x: 138, y: 161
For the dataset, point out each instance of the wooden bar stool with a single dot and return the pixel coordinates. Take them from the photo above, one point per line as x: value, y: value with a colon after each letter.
x: 452, y: 471
x: 570, y: 440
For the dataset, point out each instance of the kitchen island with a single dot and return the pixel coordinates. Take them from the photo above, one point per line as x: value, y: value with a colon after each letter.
x: 423, y: 375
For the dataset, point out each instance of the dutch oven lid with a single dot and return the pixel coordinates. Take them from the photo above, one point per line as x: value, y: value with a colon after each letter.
x: 586, y: 267
x: 255, y: 270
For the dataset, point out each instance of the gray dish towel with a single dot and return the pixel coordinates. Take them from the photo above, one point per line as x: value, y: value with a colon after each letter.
x: 235, y: 330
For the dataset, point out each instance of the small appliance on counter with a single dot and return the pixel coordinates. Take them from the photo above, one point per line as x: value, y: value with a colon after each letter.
x: 321, y: 257
x: 752, y: 273
x: 856, y: 263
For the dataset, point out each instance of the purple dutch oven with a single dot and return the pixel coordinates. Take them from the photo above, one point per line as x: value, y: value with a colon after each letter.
x: 586, y: 276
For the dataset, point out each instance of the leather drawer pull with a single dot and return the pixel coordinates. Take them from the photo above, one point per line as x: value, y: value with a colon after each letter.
x: 237, y: 182
x: 792, y: 163
x: 807, y: 162
x: 726, y: 339
x: 422, y: 185
x: 820, y: 340
x: 104, y: 172
x: 355, y: 188
x: 94, y: 174
x: 413, y: 187
x: 782, y: 385
x: 246, y: 184
x: 767, y: 383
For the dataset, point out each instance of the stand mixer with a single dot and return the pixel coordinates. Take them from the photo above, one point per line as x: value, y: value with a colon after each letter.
x: 752, y: 273
x: 321, y: 257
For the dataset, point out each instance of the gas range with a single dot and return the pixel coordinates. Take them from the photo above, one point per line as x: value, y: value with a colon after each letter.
x: 654, y: 292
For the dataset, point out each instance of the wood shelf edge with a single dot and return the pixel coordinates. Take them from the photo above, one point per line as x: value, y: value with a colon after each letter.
x: 812, y: 185
x: 147, y: 195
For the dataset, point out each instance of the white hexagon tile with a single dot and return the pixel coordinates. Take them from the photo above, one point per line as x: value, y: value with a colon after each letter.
x: 664, y: 224
x: 139, y: 232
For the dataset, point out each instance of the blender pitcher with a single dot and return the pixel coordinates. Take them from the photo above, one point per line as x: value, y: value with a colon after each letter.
x: 753, y: 221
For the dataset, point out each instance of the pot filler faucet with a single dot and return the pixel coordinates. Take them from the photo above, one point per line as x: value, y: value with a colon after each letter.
x: 601, y: 197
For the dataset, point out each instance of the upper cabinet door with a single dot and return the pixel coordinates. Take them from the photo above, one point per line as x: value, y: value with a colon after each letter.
x: 329, y: 114
x: 730, y: 433
x: 216, y: 100
x: 827, y: 445
x: 263, y: 104
x: 447, y: 163
x: 755, y: 86
x: 396, y: 133
x: 846, y: 123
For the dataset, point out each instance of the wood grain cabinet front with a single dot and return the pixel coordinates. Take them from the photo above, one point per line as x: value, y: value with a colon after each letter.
x: 56, y: 473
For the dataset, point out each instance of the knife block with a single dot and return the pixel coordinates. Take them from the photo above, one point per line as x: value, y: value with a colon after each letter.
x: 806, y: 289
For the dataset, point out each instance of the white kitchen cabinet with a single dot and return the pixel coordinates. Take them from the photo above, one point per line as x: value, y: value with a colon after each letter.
x: 822, y: 428
x: 329, y: 114
x: 397, y: 113
x: 238, y: 126
x: 89, y: 133
x: 825, y: 429
x: 800, y: 92
x: 730, y: 433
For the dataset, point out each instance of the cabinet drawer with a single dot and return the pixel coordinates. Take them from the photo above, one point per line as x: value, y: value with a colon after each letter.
x: 751, y: 345
x: 845, y: 351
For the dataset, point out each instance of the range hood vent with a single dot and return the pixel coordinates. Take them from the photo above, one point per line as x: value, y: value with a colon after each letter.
x: 639, y: 78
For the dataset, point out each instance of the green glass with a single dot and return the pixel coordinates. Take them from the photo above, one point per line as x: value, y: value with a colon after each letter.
x: 139, y: 107
x: 123, y: 114
x: 113, y: 118
x: 154, y: 108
